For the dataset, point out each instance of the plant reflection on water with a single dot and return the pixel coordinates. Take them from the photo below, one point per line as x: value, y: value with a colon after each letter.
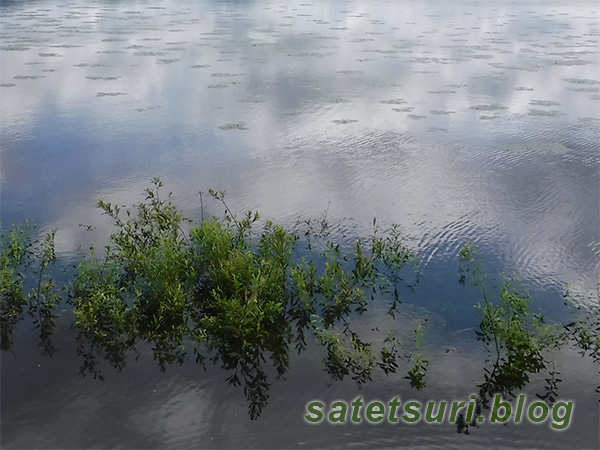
x: 231, y: 295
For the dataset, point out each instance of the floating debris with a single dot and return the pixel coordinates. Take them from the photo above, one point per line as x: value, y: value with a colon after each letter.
x: 103, y: 78
x: 344, y: 121
x: 27, y: 77
x: 396, y: 101
x: 312, y: 54
x: 234, y: 126
x: 569, y: 62
x: 14, y: 48
x: 488, y: 107
x: 110, y: 94
x: 581, y: 81
x: 149, y: 108
x: 543, y: 103
x: 443, y: 91
x: 149, y: 53
x: 584, y: 89
x: 219, y: 74
x: 222, y: 85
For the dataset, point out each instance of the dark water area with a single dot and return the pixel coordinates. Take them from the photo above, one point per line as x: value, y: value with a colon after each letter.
x: 463, y: 122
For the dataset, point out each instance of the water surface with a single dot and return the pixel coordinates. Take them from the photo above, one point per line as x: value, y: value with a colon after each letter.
x: 468, y: 121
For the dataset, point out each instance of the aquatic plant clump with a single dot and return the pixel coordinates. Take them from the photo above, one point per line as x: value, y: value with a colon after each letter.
x: 17, y: 253
x: 239, y: 292
x: 225, y: 291
x: 520, y: 342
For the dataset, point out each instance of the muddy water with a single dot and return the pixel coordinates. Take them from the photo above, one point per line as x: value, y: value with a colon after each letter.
x: 469, y: 121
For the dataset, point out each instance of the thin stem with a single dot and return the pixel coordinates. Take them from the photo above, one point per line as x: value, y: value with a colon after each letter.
x: 201, y: 206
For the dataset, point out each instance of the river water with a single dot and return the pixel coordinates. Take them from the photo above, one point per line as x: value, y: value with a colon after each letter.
x: 464, y: 121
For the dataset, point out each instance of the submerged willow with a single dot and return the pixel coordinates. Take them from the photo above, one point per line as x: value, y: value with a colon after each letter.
x: 244, y: 293
x: 234, y: 295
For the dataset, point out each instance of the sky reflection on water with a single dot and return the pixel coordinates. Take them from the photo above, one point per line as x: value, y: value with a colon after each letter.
x: 417, y: 114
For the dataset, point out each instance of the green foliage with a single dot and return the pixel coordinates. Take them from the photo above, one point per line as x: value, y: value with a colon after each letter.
x: 17, y: 252
x: 13, y: 254
x: 105, y: 321
x: 244, y: 293
x: 389, y: 353
x: 416, y: 374
x: 520, y: 341
x: 347, y: 354
x: 144, y: 288
x: 230, y: 293
x: 44, y: 299
x: 585, y: 329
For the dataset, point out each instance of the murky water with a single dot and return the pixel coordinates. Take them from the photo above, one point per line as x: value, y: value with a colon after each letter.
x: 467, y: 121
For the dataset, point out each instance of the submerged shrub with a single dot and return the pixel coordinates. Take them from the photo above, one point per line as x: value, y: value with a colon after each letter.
x: 244, y: 293
x: 13, y: 255
x: 520, y: 341
x: 230, y: 293
x: 17, y: 254
x: 584, y: 331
